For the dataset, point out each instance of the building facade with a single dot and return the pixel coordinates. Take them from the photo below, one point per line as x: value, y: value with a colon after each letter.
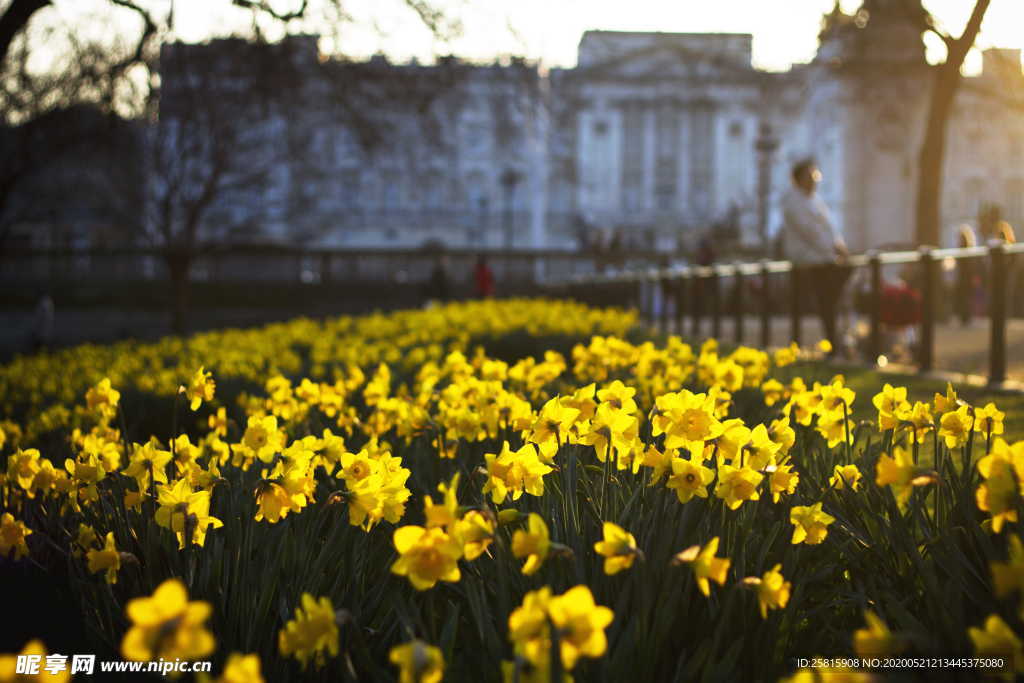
x: 653, y: 140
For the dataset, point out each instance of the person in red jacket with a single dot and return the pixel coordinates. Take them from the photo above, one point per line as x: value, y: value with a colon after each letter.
x: 483, y: 276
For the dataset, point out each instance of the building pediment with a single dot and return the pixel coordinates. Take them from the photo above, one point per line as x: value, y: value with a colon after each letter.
x: 668, y: 63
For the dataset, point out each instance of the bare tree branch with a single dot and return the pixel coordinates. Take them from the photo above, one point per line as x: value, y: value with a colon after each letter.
x: 265, y: 7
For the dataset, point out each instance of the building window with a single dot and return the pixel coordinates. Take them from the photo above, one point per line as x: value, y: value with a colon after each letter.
x: 349, y: 187
x: 391, y: 190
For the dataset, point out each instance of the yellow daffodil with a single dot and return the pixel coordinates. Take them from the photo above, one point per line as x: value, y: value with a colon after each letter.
x: 533, y: 544
x: 417, y: 662
x: 783, y: 480
x: 22, y: 468
x: 581, y: 624
x: 1003, y: 485
x: 810, y: 524
x: 33, y: 648
x: 167, y: 626
x: 844, y: 476
x: 689, y: 478
x: 1008, y: 577
x: 901, y: 474
x: 512, y: 473
x: 12, y: 537
x: 891, y: 404
x: 737, y: 484
x: 312, y: 632
x: 772, y: 590
x: 998, y: 640
x: 474, y: 531
x: 787, y: 355
x: 241, y: 668
x: 109, y: 559
x: 148, y: 463
x: 947, y: 402
x: 185, y: 512
x: 262, y: 437
x: 426, y: 556
x: 956, y: 426
x: 875, y: 640
x: 706, y: 567
x: 200, y: 388
x: 618, y: 547
x: 989, y: 420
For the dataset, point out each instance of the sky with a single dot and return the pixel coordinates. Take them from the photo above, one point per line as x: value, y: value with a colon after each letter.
x: 785, y: 31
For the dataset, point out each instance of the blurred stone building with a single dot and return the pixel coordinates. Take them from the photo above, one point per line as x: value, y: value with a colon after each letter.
x: 70, y: 179
x: 652, y: 140
x: 369, y: 154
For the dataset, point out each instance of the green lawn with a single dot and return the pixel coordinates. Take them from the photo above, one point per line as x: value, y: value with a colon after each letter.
x: 867, y: 383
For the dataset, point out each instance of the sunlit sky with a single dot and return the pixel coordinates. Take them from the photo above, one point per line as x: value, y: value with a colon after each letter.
x: 785, y: 31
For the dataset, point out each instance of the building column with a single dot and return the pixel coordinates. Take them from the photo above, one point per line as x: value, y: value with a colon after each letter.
x: 650, y: 156
x: 683, y: 162
x: 538, y: 178
x: 583, y: 173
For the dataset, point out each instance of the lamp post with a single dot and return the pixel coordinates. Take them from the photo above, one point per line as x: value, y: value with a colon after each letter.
x: 479, y: 232
x: 509, y: 179
x: 766, y: 144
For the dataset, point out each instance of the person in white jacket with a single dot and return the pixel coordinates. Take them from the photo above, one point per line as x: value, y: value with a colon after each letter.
x: 812, y: 242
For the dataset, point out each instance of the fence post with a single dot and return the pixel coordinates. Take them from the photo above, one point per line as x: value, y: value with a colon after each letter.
x: 738, y: 282
x: 766, y: 306
x: 794, y: 302
x: 647, y: 298
x: 698, y: 288
x: 875, y: 308
x: 663, y: 287
x: 716, y: 304
x: 997, y: 316
x: 325, y: 268
x: 926, y: 356
x: 680, y: 298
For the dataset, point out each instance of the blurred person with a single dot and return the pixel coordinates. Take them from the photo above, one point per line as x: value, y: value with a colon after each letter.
x: 705, y: 255
x: 995, y: 231
x: 968, y: 279
x: 813, y: 243
x: 901, y: 312
x: 42, y: 323
x: 616, y: 256
x: 483, y: 278
x: 439, y: 287
x: 1003, y: 233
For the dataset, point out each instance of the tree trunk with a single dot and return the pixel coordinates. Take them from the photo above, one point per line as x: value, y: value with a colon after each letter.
x: 933, y: 146
x: 179, y: 264
x: 933, y: 153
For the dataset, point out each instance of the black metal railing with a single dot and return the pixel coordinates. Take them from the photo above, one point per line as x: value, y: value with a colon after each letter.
x: 689, y: 296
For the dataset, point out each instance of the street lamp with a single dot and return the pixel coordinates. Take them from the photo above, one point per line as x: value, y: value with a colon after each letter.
x: 509, y: 179
x: 766, y: 144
